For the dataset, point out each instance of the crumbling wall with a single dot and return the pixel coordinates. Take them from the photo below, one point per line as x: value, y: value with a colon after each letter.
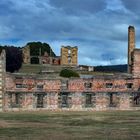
x: 124, y: 101
x: 77, y: 101
x: 52, y: 100
x: 74, y: 55
x: 102, y: 101
x: 26, y: 55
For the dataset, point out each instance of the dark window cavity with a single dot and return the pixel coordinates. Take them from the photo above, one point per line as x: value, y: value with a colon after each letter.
x: 129, y: 85
x: 40, y: 100
x: 19, y: 86
x: 109, y: 85
x: 88, y: 85
x: 39, y: 86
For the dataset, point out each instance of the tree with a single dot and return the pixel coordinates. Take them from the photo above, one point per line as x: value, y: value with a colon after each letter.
x: 68, y: 73
x: 38, y: 47
x: 13, y: 59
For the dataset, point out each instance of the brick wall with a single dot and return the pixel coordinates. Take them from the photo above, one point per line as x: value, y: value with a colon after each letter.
x: 106, y: 93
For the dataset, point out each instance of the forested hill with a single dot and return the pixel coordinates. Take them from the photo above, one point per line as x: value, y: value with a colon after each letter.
x: 111, y: 68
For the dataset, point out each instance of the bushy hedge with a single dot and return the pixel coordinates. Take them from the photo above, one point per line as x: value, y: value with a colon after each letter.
x: 68, y: 73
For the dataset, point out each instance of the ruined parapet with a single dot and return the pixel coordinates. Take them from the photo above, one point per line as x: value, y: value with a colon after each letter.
x: 26, y: 55
x: 2, y: 77
x: 131, y: 46
x: 69, y: 55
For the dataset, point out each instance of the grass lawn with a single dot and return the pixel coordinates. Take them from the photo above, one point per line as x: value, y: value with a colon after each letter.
x: 113, y: 125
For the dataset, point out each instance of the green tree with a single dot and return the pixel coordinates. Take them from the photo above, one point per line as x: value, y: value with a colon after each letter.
x: 38, y: 47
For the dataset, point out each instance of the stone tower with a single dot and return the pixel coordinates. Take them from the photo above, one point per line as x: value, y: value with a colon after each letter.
x: 131, y: 46
x: 69, y: 55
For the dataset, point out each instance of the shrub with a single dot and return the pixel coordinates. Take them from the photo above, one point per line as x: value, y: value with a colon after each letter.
x: 68, y: 73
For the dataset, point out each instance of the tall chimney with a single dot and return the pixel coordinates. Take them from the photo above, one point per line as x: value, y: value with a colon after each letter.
x: 131, y: 46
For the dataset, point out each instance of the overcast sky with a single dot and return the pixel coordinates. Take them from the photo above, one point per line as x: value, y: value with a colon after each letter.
x: 98, y: 27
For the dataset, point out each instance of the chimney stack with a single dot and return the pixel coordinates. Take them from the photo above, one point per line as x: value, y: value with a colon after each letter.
x: 131, y: 46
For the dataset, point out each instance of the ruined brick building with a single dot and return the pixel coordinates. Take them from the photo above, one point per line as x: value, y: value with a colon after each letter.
x: 68, y: 56
x: 23, y: 91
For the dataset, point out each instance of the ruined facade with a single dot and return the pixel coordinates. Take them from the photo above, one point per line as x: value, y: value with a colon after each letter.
x: 103, y: 92
x: 38, y: 58
x: 69, y: 55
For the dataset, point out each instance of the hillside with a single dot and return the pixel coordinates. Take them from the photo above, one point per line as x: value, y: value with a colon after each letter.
x: 111, y: 68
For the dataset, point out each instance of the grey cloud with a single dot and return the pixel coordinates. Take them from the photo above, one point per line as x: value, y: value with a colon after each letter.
x: 6, y: 7
x: 132, y: 5
x: 57, y: 25
x: 78, y: 7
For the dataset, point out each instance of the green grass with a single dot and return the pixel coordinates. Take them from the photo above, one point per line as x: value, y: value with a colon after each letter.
x: 113, y: 125
x: 31, y: 68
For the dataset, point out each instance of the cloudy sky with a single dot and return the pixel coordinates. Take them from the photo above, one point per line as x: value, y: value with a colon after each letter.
x: 97, y: 27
